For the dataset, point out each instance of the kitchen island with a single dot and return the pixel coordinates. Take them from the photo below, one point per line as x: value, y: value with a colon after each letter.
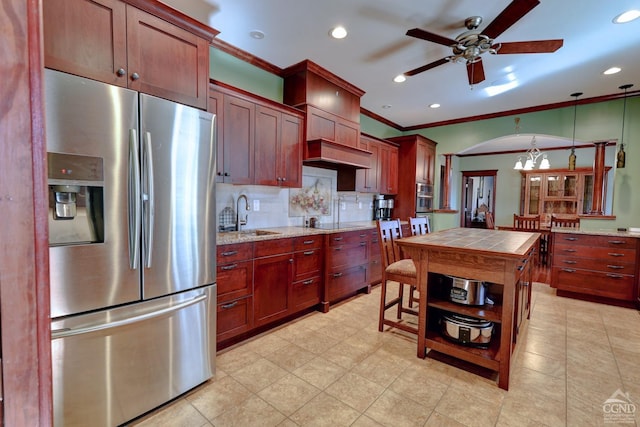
x: 502, y: 258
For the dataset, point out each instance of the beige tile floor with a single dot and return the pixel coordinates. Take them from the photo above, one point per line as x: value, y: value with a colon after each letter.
x: 336, y: 369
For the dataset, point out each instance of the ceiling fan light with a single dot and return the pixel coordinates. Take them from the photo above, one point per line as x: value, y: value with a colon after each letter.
x: 400, y: 78
x: 612, y: 70
x: 338, y: 32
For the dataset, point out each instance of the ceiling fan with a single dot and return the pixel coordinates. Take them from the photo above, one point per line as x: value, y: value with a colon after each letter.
x: 471, y: 44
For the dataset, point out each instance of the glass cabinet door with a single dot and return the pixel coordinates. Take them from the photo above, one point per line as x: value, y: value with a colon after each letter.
x: 535, y: 189
x: 561, y: 185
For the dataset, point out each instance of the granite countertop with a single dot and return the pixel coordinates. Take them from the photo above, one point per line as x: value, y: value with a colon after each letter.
x: 269, y: 233
x: 604, y: 232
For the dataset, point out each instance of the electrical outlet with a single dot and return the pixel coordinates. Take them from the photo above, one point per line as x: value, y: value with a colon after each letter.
x: 256, y: 205
x: 359, y: 205
x: 343, y: 206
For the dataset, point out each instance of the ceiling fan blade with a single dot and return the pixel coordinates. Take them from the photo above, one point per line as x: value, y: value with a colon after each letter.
x: 509, y: 16
x: 432, y: 37
x: 475, y: 72
x: 426, y: 67
x: 539, y: 46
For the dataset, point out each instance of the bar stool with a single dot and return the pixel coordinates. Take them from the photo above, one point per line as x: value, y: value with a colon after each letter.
x: 418, y: 227
x: 395, y: 269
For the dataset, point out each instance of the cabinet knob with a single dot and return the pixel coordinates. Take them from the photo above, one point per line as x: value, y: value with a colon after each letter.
x: 135, y: 76
x: 121, y: 72
x: 227, y: 174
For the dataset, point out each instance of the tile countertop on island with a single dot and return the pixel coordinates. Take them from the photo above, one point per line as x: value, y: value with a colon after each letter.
x: 260, y: 234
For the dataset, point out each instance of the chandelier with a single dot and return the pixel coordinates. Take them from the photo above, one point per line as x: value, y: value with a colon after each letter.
x: 531, y: 157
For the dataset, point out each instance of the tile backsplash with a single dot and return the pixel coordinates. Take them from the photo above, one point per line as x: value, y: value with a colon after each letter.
x: 273, y: 203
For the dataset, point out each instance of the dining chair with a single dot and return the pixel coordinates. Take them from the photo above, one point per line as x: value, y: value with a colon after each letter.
x: 532, y: 224
x: 418, y: 226
x: 394, y: 269
x: 564, y: 222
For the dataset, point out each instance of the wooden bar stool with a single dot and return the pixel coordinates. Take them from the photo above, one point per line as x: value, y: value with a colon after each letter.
x: 418, y: 226
x: 394, y: 269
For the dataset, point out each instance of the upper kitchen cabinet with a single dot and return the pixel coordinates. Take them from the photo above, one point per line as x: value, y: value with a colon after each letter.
x: 382, y: 176
x: 258, y: 141
x: 415, y: 153
x: 140, y: 44
x: 332, y: 107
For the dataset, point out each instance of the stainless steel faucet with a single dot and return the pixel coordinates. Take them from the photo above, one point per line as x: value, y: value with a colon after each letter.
x: 240, y: 222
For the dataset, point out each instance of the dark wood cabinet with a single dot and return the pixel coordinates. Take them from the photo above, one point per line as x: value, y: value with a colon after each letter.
x: 273, y: 269
x: 382, y: 176
x: 307, y: 276
x: 278, y: 148
x: 235, y: 290
x: 347, y: 262
x: 238, y: 140
x: 416, y: 160
x: 375, y: 259
x: 324, y: 125
x: 603, y: 267
x: 114, y: 42
x: 388, y: 167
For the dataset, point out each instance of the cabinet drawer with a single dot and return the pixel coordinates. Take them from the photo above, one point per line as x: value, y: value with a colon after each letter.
x: 234, y: 252
x: 307, y: 242
x: 273, y: 247
x: 347, y: 238
x: 307, y: 263
x: 619, y: 254
x: 234, y: 318
x: 345, y: 282
x: 234, y: 280
x: 375, y: 271
x: 609, y: 265
x: 609, y: 285
x: 306, y: 293
x: 341, y: 255
x: 599, y: 241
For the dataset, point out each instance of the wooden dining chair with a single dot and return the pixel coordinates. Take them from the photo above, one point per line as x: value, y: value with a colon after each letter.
x: 396, y: 269
x: 532, y: 224
x: 418, y: 226
x: 564, y: 222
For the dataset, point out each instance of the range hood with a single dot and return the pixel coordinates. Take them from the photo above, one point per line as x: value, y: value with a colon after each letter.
x: 330, y: 154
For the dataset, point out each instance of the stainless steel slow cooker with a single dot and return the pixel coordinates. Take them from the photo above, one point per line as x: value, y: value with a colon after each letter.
x: 466, y: 330
x: 465, y: 291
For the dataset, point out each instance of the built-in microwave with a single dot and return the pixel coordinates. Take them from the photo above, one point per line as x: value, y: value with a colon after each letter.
x: 424, y: 197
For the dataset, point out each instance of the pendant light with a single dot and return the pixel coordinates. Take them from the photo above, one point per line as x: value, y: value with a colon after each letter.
x: 621, y: 156
x: 572, y: 156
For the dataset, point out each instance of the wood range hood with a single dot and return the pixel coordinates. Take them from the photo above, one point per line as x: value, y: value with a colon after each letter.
x: 333, y: 155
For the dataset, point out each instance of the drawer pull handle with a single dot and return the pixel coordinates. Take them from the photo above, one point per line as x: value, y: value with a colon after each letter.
x: 308, y: 242
x: 571, y: 239
x: 336, y: 275
x: 229, y: 253
x: 337, y: 239
x: 228, y: 267
x: 363, y: 243
x: 569, y: 250
x: 230, y: 305
x: 307, y: 282
x: 615, y: 276
x: 363, y: 236
x: 615, y: 254
x: 338, y: 248
x: 615, y: 267
x: 568, y: 270
x: 617, y: 242
x: 570, y: 262
x: 309, y: 252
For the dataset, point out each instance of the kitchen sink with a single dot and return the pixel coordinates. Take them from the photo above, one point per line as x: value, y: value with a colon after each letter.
x: 257, y: 232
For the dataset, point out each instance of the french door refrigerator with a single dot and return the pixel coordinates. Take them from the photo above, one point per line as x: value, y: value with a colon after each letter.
x: 132, y: 249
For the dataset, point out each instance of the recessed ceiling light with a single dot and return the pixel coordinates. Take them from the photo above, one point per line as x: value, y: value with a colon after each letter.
x: 399, y: 78
x: 339, y: 32
x: 627, y: 16
x: 612, y: 70
x: 435, y: 105
x: 256, y: 34
x: 386, y: 106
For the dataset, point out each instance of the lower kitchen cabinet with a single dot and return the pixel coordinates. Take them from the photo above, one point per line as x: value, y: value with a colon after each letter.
x: 273, y: 269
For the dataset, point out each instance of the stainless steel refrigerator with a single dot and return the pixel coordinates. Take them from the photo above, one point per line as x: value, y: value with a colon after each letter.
x: 132, y: 249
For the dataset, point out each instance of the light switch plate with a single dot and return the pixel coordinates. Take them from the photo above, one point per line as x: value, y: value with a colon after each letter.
x: 256, y: 205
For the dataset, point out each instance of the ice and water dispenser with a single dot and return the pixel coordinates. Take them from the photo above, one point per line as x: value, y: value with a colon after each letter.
x: 76, y: 211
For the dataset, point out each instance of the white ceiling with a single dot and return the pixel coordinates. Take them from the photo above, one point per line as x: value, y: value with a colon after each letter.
x: 377, y: 49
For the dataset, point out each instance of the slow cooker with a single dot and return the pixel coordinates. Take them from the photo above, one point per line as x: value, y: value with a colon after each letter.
x: 468, y: 292
x: 466, y: 330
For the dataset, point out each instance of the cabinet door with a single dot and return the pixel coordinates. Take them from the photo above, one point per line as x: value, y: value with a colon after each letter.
x: 239, y: 137
x: 290, y: 155
x: 268, y: 136
x: 388, y: 170
x: 165, y: 60
x: 425, y: 162
x: 272, y: 288
x: 216, y: 106
x: 87, y: 38
x: 367, y: 180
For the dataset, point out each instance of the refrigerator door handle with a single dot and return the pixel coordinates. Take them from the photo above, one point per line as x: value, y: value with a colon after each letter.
x: 149, y: 199
x: 68, y: 332
x: 134, y: 200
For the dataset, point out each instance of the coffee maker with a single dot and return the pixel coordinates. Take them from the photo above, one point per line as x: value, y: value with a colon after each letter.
x: 382, y: 208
